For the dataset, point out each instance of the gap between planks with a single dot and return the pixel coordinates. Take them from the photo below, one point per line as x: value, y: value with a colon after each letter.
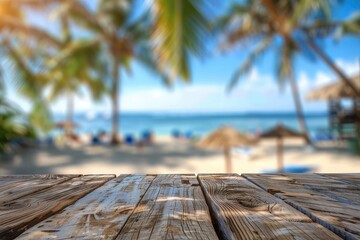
x: 172, y: 208
x: 242, y: 210
x: 18, y: 215
x: 302, y: 192
x: 98, y: 215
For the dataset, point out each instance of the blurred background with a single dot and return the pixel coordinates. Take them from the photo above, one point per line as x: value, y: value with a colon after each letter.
x: 185, y: 86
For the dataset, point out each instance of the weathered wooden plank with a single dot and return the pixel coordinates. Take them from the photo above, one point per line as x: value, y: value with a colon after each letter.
x: 18, y: 215
x: 12, y: 188
x: 6, y: 179
x: 172, y: 208
x: 350, y: 178
x: 241, y: 210
x: 34, y: 176
x: 340, y: 217
x: 99, y: 215
x: 331, y: 187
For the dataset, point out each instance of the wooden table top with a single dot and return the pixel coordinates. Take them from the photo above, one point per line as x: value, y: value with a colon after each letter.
x: 180, y: 206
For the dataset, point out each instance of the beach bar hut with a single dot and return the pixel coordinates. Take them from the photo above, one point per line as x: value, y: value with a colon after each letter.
x: 334, y: 93
x: 225, y: 138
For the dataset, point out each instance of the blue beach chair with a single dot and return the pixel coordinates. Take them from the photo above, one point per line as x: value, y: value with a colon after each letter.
x: 129, y: 139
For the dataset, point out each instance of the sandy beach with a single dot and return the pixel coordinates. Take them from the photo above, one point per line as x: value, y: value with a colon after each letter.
x: 170, y: 156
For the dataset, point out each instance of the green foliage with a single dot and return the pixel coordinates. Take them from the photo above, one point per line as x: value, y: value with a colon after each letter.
x: 78, y: 64
x: 281, y: 25
x: 349, y: 27
x: 180, y: 29
x: 13, y: 124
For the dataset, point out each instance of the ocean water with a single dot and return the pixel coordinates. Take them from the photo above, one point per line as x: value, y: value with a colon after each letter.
x: 196, y: 124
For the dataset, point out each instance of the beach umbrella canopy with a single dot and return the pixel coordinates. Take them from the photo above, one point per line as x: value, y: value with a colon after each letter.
x: 225, y: 138
x: 280, y: 132
x: 335, y: 90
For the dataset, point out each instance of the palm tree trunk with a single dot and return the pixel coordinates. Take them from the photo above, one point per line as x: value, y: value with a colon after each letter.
x: 115, y: 101
x: 332, y: 65
x: 299, y: 109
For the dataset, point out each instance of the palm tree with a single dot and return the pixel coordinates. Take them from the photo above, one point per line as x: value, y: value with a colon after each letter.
x: 122, y: 37
x: 325, y: 27
x: 63, y: 64
x: 299, y: 17
x: 128, y: 39
x: 28, y: 83
x: 14, y: 36
x: 78, y: 64
x: 289, y: 25
x: 251, y: 22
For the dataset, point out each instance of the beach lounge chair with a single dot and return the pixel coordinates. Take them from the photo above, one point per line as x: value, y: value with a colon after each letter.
x: 188, y: 135
x: 95, y: 140
x: 129, y: 139
x: 323, y: 137
x: 292, y: 169
x: 176, y: 133
x: 147, y: 137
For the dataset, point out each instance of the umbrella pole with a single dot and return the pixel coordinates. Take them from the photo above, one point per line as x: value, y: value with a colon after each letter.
x: 280, y: 154
x: 228, y: 165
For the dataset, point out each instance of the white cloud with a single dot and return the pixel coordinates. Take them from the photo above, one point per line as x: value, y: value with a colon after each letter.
x: 351, y: 68
x: 255, y: 92
x: 162, y: 99
x: 321, y: 79
x: 303, y: 82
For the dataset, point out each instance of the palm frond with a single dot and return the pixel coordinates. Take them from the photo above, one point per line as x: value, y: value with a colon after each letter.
x: 84, y: 17
x: 78, y: 50
x: 115, y: 14
x: 349, y: 27
x: 40, y: 116
x: 181, y: 28
x: 304, y: 8
x: 285, y: 63
x: 149, y: 61
x: 245, y: 67
x: 17, y: 27
x: 24, y: 79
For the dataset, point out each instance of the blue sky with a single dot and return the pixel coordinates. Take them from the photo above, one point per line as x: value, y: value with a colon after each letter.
x: 144, y: 92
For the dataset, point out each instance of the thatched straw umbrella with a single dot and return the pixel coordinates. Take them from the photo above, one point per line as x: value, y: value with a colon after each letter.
x: 225, y: 138
x: 335, y: 90
x: 280, y: 132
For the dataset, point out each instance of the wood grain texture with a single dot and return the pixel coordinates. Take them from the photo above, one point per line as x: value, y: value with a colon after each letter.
x: 7, y: 179
x: 12, y: 188
x: 99, y: 215
x: 299, y: 191
x: 349, y: 178
x: 18, y: 215
x: 172, y: 208
x: 331, y: 187
x: 34, y: 176
x: 241, y: 210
